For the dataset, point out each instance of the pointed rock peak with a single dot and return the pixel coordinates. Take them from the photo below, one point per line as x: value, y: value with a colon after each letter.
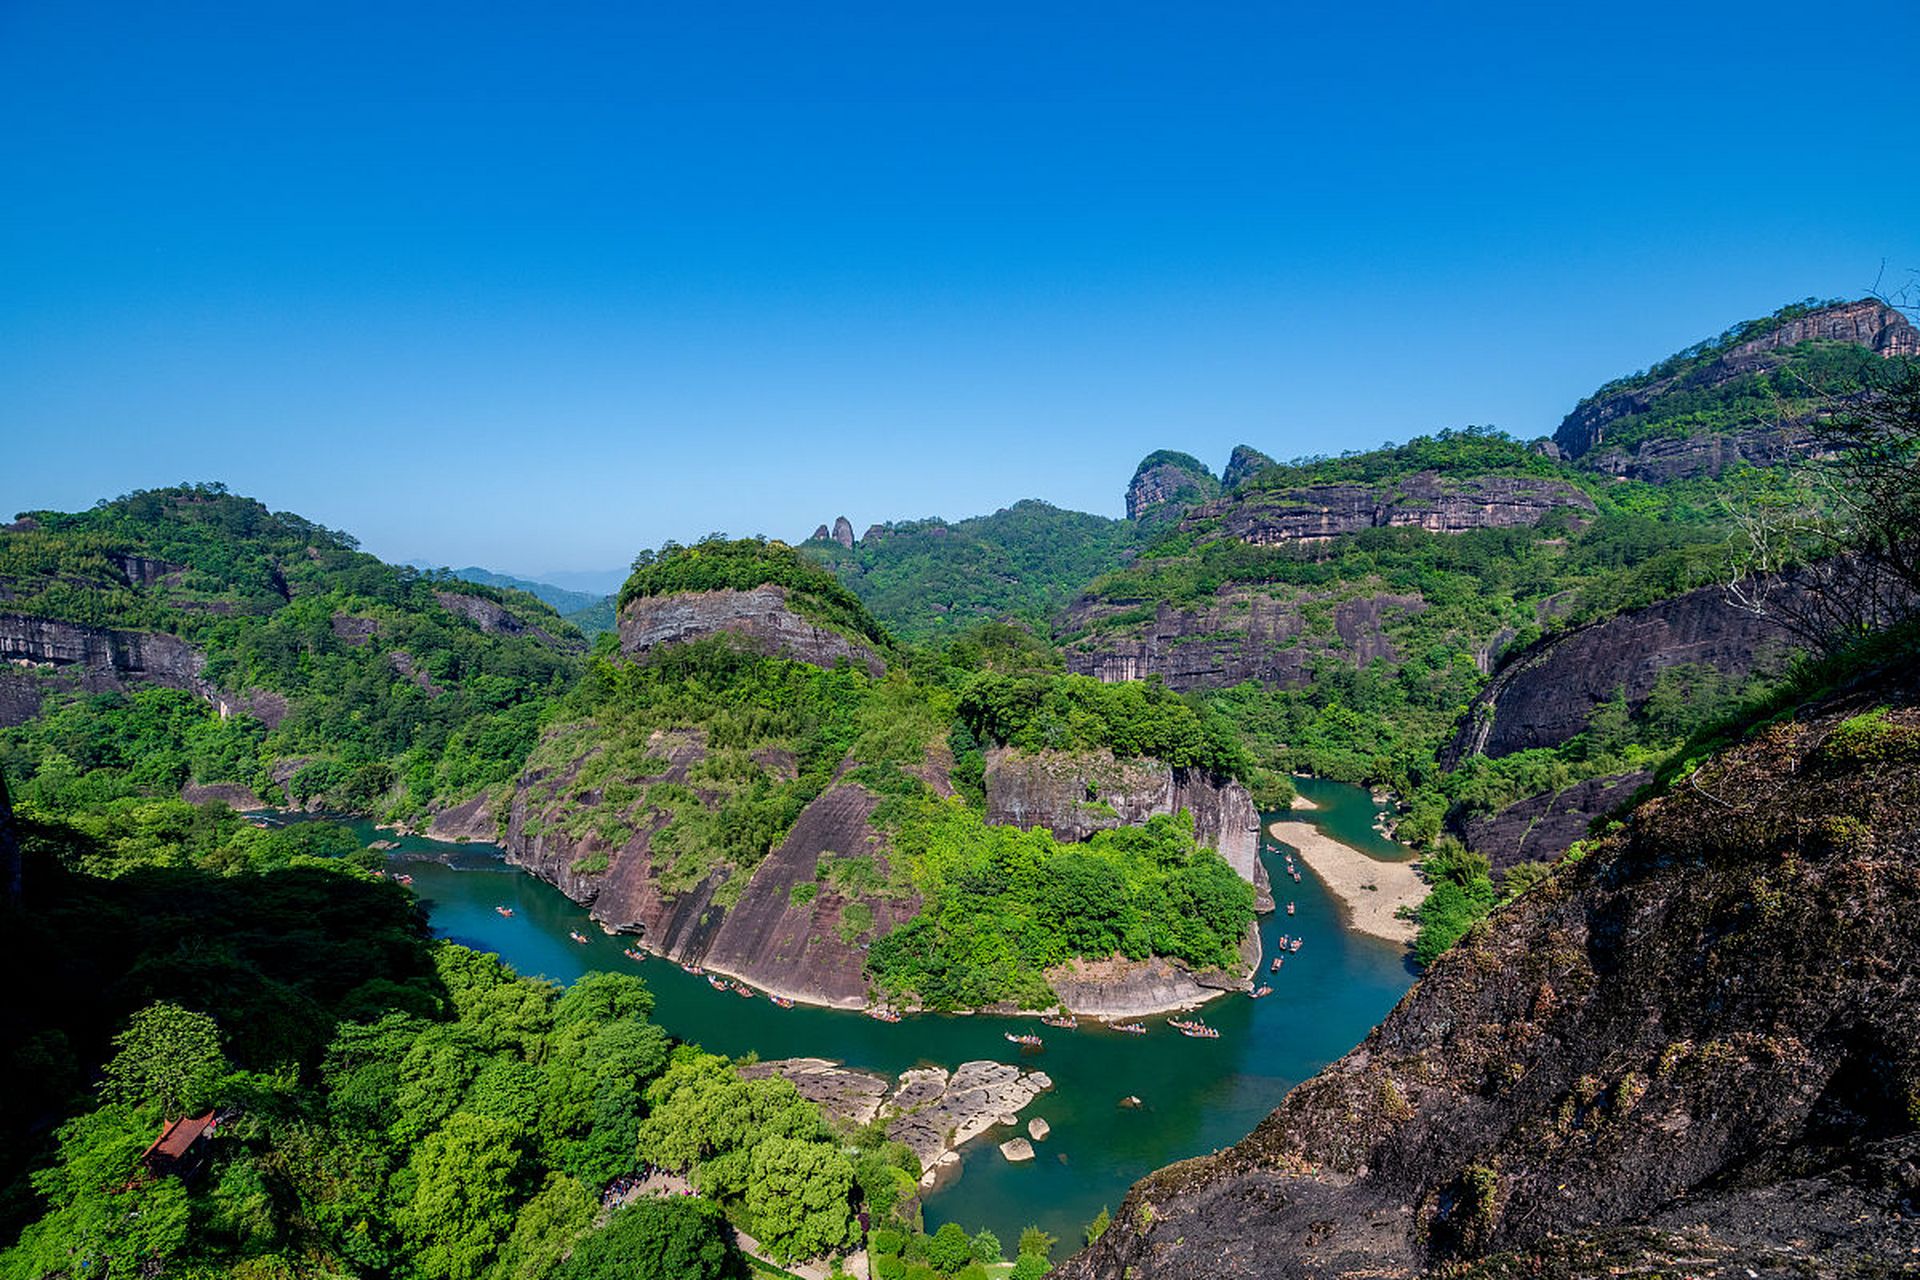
x: 821, y: 534
x: 1167, y: 482
x: 843, y: 532
x: 1245, y: 461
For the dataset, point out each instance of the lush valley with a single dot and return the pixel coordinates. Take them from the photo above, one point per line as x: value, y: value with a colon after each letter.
x: 950, y: 766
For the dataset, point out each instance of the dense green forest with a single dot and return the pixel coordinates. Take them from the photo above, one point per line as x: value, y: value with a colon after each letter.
x: 388, y: 1104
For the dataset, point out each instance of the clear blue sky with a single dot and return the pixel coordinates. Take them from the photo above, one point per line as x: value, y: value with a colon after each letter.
x: 532, y: 286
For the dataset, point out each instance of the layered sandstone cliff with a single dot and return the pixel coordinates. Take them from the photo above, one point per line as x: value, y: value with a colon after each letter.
x: 1587, y: 434
x: 1438, y: 504
x: 1243, y: 633
x: 43, y: 655
x: 761, y: 617
x: 1694, y: 1052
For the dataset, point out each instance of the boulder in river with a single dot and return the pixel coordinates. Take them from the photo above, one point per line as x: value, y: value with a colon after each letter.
x: 1038, y: 1129
x: 1017, y: 1150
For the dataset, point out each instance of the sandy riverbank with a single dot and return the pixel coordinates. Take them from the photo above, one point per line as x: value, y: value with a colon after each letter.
x: 1372, y: 892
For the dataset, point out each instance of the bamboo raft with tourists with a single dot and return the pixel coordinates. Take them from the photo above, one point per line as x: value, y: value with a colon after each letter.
x: 577, y: 936
x: 1065, y: 1022
x: 1026, y: 1040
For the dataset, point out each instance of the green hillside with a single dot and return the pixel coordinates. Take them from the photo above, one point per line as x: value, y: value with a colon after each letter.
x: 931, y: 578
x: 393, y: 691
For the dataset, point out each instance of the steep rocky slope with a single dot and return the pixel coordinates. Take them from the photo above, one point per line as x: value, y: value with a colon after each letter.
x: 1271, y: 635
x: 1695, y: 1050
x: 384, y: 689
x: 1752, y: 395
x: 1166, y: 483
x: 1275, y: 516
x: 1548, y: 693
x: 763, y: 616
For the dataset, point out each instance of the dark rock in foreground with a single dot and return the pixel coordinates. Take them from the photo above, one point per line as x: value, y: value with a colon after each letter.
x: 1696, y: 1051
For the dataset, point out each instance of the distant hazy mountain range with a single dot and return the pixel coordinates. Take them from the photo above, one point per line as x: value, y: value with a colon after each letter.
x: 580, y: 591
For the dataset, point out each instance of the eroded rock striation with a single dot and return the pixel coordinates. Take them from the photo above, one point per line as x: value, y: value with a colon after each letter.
x: 1242, y: 634
x: 1166, y: 483
x: 1695, y: 1051
x: 787, y: 944
x: 39, y: 656
x: 762, y: 617
x: 1428, y: 500
x: 1548, y: 692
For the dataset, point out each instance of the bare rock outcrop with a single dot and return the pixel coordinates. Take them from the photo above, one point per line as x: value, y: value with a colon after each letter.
x: 788, y: 932
x: 1166, y: 483
x: 496, y: 620
x: 1693, y: 1052
x: 762, y: 617
x: 935, y: 1111
x: 806, y: 946
x: 930, y: 1109
x: 845, y: 1093
x: 1118, y: 988
x: 1548, y: 692
x: 1542, y: 827
x: 472, y: 820
x: 1074, y: 794
x: 43, y: 655
x: 1428, y: 500
x: 1245, y: 461
x: 1240, y: 634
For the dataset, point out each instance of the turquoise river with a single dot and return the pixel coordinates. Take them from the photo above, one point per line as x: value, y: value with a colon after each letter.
x: 1196, y: 1095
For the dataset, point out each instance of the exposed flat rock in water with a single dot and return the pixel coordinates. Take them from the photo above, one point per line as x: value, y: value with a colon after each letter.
x: 932, y: 1110
x: 851, y: 1095
x: 1038, y: 1129
x: 1017, y: 1150
x: 1121, y: 988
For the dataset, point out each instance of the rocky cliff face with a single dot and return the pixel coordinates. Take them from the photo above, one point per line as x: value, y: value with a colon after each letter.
x: 1542, y: 827
x: 1583, y: 432
x: 603, y: 857
x: 1243, y: 634
x: 43, y: 655
x: 1697, y: 1051
x: 1166, y: 483
x: 1667, y: 458
x: 761, y: 617
x: 1316, y: 513
x: 1547, y: 693
x: 1074, y: 794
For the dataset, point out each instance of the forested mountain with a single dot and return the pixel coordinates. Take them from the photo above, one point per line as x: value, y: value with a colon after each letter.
x: 336, y: 679
x: 932, y: 578
x: 937, y: 766
x: 765, y: 781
